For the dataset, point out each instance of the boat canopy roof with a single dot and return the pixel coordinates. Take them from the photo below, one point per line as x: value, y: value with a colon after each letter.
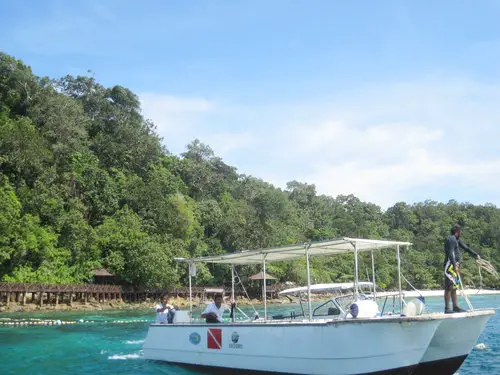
x: 324, y: 288
x: 289, y: 252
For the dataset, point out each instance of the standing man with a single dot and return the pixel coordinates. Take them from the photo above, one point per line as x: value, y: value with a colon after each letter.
x: 453, y: 257
x: 164, y: 311
x: 213, y: 312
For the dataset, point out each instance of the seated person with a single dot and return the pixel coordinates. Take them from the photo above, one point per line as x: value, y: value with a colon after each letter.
x: 213, y: 312
x: 164, y: 312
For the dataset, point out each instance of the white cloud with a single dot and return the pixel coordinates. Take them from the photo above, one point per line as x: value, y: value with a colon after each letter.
x: 334, y: 141
x: 181, y: 120
x: 226, y: 143
x: 174, y: 116
x: 431, y: 139
x: 374, y: 163
x: 405, y: 142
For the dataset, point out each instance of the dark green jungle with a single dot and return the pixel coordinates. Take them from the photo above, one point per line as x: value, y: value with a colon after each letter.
x: 86, y: 182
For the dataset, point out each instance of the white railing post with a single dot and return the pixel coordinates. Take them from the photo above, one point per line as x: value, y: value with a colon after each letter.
x: 232, y: 290
x: 308, y: 281
x: 373, y: 277
x: 264, y: 289
x: 399, y: 281
x: 190, y: 265
x: 356, y: 281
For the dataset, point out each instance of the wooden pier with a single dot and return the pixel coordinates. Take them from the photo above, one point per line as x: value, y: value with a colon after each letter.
x: 52, y: 294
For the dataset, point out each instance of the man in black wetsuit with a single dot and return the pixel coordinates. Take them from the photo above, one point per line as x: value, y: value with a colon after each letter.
x: 453, y: 256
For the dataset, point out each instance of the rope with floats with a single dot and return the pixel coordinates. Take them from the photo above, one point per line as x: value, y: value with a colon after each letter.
x: 9, y: 322
x: 56, y: 322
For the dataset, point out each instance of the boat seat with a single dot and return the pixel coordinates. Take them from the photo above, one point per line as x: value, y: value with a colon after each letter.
x: 280, y: 316
x: 285, y: 316
x: 333, y: 311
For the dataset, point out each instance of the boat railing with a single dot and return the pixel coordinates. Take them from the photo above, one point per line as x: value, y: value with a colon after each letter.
x: 394, y: 297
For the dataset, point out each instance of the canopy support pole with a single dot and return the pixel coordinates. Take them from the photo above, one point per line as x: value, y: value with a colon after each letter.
x: 190, y: 265
x: 264, y: 289
x: 356, y: 291
x: 308, y: 281
x: 373, y: 277
x: 232, y: 288
x: 399, y: 281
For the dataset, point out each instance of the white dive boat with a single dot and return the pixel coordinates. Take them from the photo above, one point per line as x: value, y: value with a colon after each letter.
x: 362, y: 341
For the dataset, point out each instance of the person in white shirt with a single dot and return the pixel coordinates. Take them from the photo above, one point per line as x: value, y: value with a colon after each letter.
x: 164, y: 312
x: 213, y: 312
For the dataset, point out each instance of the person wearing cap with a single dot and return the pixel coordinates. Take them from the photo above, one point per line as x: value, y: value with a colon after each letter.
x: 453, y: 257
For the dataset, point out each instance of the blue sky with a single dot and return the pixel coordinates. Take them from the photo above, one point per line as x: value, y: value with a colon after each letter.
x: 388, y: 100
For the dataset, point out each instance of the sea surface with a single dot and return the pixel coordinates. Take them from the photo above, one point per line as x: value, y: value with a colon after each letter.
x: 110, y: 342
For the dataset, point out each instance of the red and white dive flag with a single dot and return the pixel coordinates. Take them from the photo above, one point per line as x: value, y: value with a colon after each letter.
x: 214, y: 338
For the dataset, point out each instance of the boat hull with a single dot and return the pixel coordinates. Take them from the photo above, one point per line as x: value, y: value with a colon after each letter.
x: 349, y: 347
x: 229, y: 371
x: 452, y: 342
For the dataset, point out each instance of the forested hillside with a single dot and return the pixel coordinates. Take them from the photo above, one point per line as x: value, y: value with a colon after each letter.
x: 85, y: 182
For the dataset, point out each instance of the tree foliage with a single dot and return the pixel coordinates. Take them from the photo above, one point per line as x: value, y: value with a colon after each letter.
x: 86, y: 182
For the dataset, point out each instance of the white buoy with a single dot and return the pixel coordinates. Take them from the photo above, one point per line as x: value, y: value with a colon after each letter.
x: 480, y: 346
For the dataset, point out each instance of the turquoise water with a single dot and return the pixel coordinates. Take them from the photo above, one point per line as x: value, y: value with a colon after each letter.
x: 109, y: 346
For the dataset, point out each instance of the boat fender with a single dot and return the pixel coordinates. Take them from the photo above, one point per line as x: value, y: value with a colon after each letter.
x: 354, y: 310
x: 414, y: 308
x: 364, y: 309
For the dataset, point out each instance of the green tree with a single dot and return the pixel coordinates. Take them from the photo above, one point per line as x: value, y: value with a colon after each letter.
x: 130, y: 253
x: 23, y: 154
